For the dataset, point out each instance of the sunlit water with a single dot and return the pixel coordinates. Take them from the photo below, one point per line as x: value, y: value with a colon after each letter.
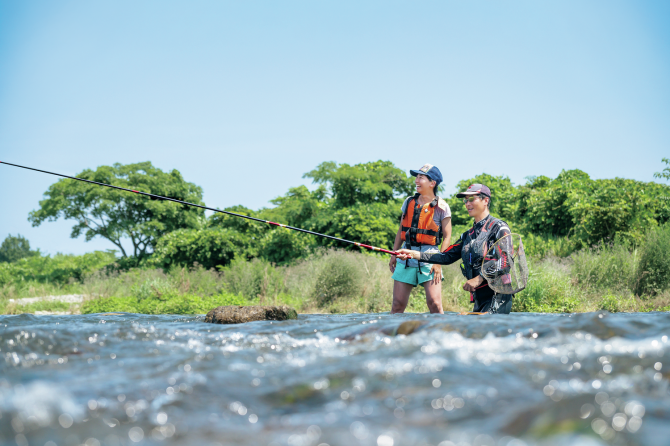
x: 337, y: 380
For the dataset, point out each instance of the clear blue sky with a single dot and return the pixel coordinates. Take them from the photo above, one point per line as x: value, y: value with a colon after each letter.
x: 245, y: 97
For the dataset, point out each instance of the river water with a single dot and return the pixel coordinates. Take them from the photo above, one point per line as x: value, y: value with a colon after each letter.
x: 521, y: 379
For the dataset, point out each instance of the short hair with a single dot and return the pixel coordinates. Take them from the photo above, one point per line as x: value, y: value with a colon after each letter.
x: 482, y: 196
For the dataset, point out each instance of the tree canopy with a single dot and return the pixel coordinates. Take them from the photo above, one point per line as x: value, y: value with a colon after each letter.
x: 374, y: 182
x: 115, y: 215
x: 358, y: 202
x: 15, y: 248
x: 665, y: 173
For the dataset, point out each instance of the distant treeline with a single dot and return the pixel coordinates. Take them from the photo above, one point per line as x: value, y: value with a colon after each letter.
x: 593, y: 243
x: 358, y: 202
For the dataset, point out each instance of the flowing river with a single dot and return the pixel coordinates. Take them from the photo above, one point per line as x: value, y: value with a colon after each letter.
x: 522, y: 379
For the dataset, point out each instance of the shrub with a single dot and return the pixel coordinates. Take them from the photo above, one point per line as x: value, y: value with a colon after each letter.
x: 281, y: 246
x: 209, y: 247
x: 653, y: 273
x: 59, y: 269
x: 340, y: 276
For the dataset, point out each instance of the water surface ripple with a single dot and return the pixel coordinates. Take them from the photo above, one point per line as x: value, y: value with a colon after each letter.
x: 125, y: 379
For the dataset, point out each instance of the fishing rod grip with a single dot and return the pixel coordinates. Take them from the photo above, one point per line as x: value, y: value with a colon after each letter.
x: 374, y: 248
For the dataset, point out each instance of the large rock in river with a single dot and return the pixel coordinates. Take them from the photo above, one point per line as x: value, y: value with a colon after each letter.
x: 235, y: 314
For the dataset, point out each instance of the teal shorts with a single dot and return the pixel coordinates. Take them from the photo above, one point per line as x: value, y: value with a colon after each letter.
x: 412, y: 275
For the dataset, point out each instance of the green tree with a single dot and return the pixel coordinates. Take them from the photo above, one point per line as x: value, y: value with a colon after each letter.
x: 115, y: 215
x: 15, y: 248
x: 298, y: 206
x: 374, y: 224
x: 210, y: 247
x: 604, y: 210
x: 359, y: 203
x: 665, y: 173
x: 374, y: 182
x: 242, y: 225
x: 590, y: 211
x: 276, y: 245
x: 543, y: 205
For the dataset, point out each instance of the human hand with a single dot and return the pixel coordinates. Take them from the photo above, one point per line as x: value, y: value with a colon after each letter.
x: 405, y: 254
x: 472, y: 284
x: 392, y: 263
x: 437, y: 274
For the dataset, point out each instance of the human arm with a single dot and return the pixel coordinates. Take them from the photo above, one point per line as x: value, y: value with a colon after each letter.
x: 446, y: 233
x: 436, y: 269
x: 396, y: 245
x: 449, y: 256
x: 474, y: 283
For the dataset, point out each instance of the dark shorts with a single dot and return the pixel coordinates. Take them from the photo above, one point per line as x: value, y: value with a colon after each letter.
x: 498, y: 304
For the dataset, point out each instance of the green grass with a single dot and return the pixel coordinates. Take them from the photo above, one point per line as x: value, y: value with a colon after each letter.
x: 653, y: 272
x: 51, y: 306
x: 177, y: 304
x: 549, y: 290
x: 606, y: 267
x: 606, y: 277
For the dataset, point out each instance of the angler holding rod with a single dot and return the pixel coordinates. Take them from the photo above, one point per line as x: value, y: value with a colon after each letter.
x: 471, y: 248
x: 423, y: 235
x: 426, y: 221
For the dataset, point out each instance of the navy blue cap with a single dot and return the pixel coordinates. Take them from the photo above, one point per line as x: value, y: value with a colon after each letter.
x: 430, y: 171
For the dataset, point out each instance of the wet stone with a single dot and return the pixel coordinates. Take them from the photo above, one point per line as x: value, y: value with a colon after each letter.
x: 409, y: 327
x: 236, y: 314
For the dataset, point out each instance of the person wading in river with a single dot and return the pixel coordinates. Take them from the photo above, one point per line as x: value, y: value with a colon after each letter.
x: 426, y: 219
x: 471, y: 248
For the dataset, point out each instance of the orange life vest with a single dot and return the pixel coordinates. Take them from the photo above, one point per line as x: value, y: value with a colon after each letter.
x: 418, y: 226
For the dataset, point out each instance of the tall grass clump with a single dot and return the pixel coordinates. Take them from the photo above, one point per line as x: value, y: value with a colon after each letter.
x: 550, y: 289
x: 454, y: 297
x: 618, y: 302
x: 607, y: 266
x: 257, y: 279
x: 653, y: 273
x: 341, y: 281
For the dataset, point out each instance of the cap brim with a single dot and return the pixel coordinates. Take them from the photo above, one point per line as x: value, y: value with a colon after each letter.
x: 418, y: 172
x: 467, y: 194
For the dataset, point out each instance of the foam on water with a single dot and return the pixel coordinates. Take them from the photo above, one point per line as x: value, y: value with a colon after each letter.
x: 330, y: 379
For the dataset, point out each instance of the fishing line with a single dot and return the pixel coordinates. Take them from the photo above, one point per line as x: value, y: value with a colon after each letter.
x: 159, y: 197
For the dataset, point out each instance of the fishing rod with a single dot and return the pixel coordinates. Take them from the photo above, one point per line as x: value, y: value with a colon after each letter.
x: 159, y: 197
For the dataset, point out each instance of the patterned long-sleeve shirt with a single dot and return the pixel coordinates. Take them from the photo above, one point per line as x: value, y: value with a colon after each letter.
x: 471, y: 248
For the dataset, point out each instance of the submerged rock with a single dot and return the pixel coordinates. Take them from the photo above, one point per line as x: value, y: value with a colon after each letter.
x: 409, y: 327
x: 236, y: 314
